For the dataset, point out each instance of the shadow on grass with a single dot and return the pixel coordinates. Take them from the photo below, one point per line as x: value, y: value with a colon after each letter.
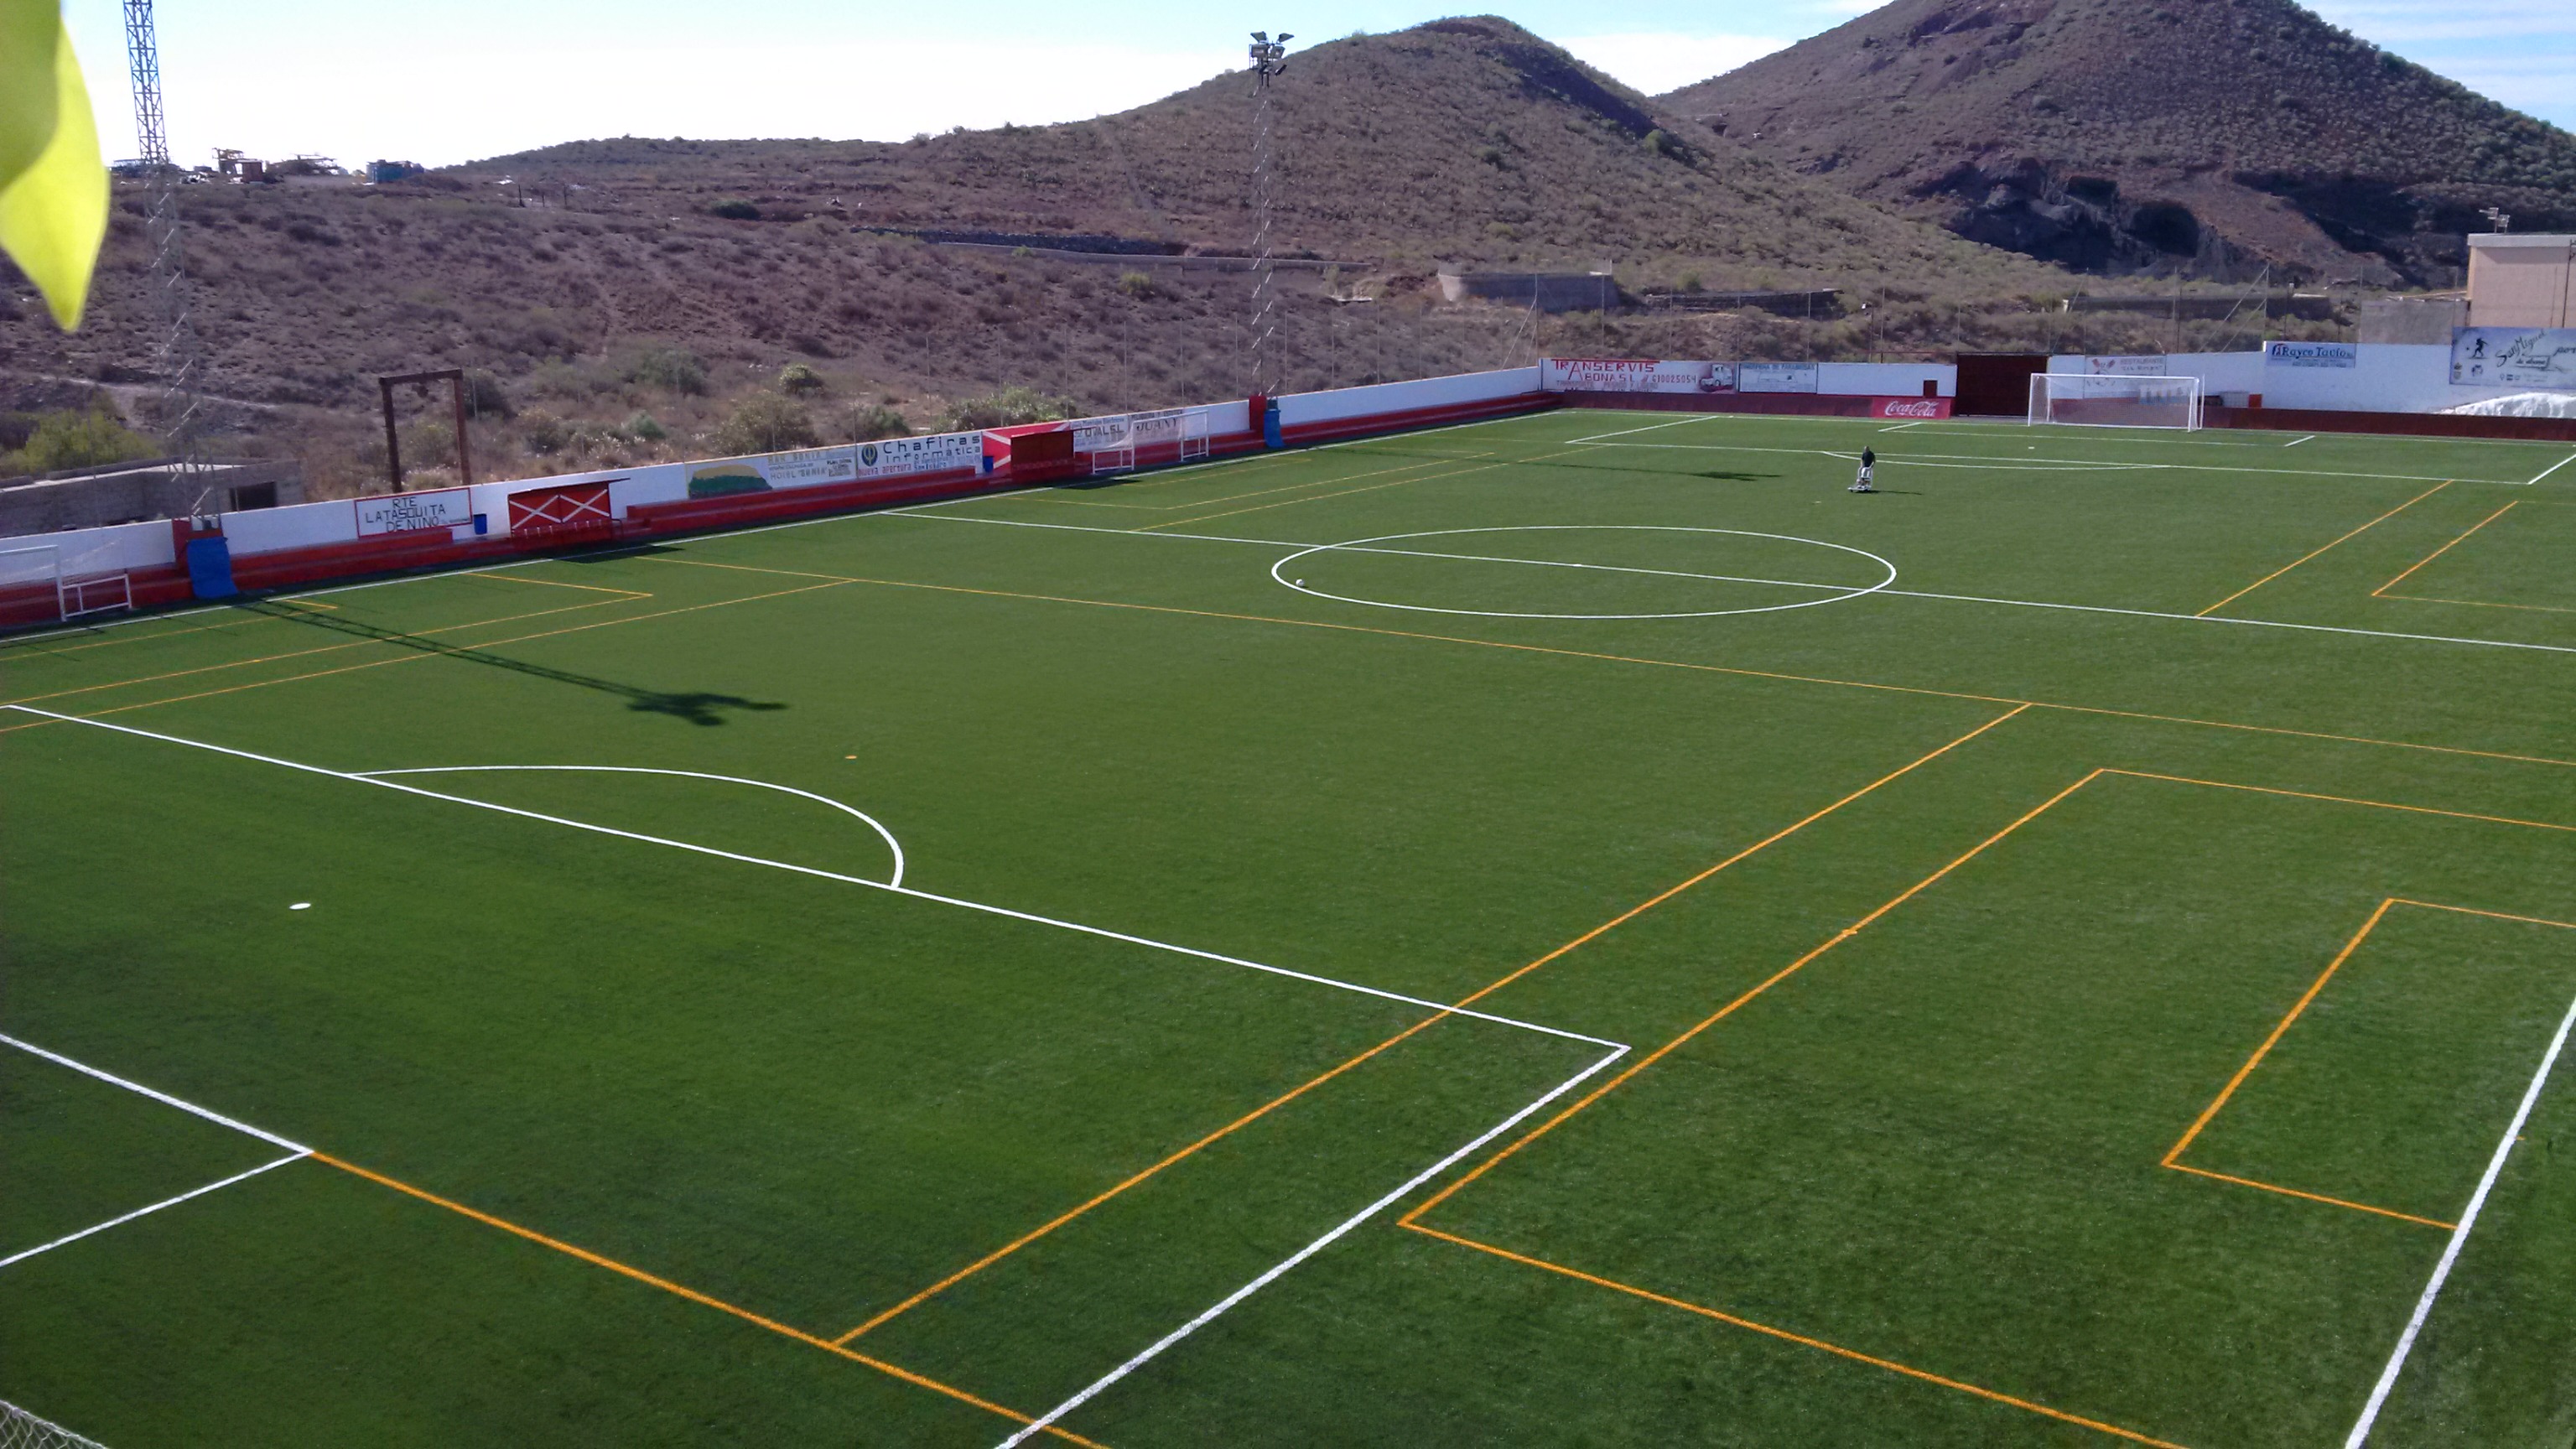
x: 697, y: 707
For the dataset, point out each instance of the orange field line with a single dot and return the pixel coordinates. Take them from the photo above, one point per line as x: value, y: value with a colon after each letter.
x: 2481, y: 603
x: 301, y: 653
x: 2312, y: 553
x: 408, y: 658
x: 2344, y: 800
x: 1730, y: 1008
x: 1648, y: 661
x: 2446, y: 548
x: 1373, y: 487
x: 666, y: 1285
x: 1481, y: 993
x: 2278, y: 1031
x: 502, y: 576
x: 1803, y: 1340
x: 1049, y: 1226
x: 2491, y: 915
x: 2361, y: 1207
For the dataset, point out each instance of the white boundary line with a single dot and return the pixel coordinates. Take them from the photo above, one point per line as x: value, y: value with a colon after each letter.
x: 295, y: 1151
x: 1272, y: 1274
x: 871, y: 821
x: 2459, y: 1237
x: 164, y: 1098
x: 2294, y: 442
x: 2552, y: 468
x: 1614, y: 1050
x: 820, y: 874
x: 1839, y: 592
x: 1888, y: 593
x: 20, y: 1257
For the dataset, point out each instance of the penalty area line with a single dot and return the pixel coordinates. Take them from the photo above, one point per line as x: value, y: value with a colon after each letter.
x: 20, y: 1257
x: 2552, y: 468
x: 2459, y: 1238
x: 1271, y: 1275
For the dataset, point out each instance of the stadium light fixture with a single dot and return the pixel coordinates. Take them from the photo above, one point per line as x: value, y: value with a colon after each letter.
x: 1269, y: 58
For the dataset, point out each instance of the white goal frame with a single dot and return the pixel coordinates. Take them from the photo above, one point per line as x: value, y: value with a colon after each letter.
x: 1113, y: 443
x: 2052, y: 393
x: 75, y: 594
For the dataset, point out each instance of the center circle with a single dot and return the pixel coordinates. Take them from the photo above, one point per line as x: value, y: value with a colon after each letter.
x: 1832, y: 593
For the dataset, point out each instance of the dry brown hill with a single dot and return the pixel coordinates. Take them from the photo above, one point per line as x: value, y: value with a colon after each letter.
x: 1461, y: 140
x: 1465, y: 140
x: 2214, y: 135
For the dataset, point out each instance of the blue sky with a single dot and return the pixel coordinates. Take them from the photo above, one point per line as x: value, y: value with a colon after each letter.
x: 449, y: 82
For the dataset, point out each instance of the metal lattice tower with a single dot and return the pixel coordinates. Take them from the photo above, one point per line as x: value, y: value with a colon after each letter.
x: 176, y: 351
x: 1269, y: 58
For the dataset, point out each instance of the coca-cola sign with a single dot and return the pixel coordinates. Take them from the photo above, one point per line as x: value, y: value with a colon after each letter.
x: 1922, y: 409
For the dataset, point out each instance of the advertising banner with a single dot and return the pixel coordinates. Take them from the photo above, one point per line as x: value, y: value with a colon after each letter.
x: 404, y: 512
x: 2541, y: 357
x: 2139, y: 366
x: 817, y: 467
x: 1635, y: 374
x: 2311, y: 354
x: 1777, y: 377
x: 1915, y: 409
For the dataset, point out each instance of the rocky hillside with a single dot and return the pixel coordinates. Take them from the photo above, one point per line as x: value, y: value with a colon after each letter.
x: 1467, y: 140
x: 2135, y: 135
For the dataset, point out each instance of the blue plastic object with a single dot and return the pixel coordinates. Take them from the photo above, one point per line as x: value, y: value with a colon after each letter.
x: 210, y: 568
x: 1270, y: 437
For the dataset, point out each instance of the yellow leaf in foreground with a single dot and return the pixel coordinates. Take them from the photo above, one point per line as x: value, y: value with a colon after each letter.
x: 53, y: 214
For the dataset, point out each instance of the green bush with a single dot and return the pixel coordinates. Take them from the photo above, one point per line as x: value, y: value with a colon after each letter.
x: 1010, y: 407
x: 734, y: 208
x: 798, y: 380
x: 675, y: 368
x: 871, y: 423
x: 485, y: 397
x: 765, y: 423
x: 1138, y: 285
x: 83, y: 439
x: 643, y: 427
x: 546, y: 433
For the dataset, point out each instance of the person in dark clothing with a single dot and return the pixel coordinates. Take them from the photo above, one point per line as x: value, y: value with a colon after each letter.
x: 1868, y: 465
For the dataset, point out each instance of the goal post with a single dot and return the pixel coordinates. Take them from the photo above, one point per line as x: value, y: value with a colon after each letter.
x: 2087, y: 400
x: 1132, y: 440
x: 39, y: 569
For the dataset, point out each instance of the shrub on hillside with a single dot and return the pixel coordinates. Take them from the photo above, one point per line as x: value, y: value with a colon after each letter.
x: 77, y: 439
x: 765, y: 423
x: 485, y: 397
x: 735, y: 208
x: 879, y: 421
x: 798, y: 380
x: 676, y: 368
x: 643, y: 427
x: 1010, y: 407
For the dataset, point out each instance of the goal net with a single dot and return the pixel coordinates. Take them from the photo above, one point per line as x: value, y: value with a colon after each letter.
x: 22, y: 1430
x: 1133, y: 440
x: 77, y: 585
x: 2085, y: 400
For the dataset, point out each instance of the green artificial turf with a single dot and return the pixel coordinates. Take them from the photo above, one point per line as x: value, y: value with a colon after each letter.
x: 2026, y: 851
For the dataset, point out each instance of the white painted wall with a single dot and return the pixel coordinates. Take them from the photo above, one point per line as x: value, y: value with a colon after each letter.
x: 76, y: 551
x: 300, y: 525
x: 1886, y: 379
x: 2390, y: 377
x: 1298, y: 408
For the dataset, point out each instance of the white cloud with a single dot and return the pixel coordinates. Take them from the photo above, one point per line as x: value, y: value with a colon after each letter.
x: 1656, y: 62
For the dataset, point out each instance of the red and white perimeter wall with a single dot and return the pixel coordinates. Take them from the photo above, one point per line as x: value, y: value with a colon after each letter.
x: 312, y: 542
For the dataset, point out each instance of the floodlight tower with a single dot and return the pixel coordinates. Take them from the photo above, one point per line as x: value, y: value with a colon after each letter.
x: 1269, y: 58
x: 177, y: 350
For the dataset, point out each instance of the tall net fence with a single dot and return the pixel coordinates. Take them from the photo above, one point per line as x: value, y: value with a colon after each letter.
x: 22, y: 1430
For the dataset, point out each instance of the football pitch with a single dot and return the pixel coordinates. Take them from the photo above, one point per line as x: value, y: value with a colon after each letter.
x: 1569, y: 930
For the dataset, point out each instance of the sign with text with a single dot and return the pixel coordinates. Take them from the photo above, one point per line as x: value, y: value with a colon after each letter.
x: 1914, y: 409
x: 1635, y: 374
x: 1777, y: 377
x: 2311, y: 354
x: 2542, y: 357
x: 2138, y: 366
x: 405, y: 512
